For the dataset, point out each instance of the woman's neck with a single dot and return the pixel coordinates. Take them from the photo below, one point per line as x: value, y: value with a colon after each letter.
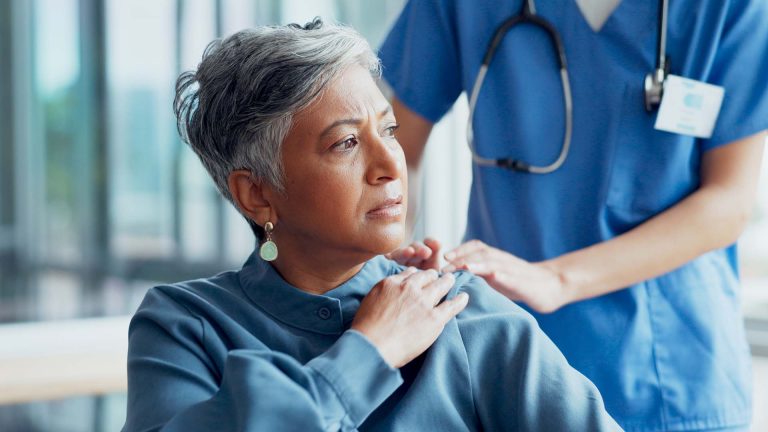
x: 318, y: 272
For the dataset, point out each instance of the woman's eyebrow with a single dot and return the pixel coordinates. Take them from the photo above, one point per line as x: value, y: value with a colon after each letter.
x: 337, y: 123
x: 353, y: 121
x: 385, y: 111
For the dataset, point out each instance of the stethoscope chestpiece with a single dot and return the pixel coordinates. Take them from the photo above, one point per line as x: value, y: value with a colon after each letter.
x: 654, y: 81
x: 654, y: 89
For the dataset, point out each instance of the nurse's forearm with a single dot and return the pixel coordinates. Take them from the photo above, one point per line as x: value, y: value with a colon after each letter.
x: 656, y: 247
x: 710, y: 218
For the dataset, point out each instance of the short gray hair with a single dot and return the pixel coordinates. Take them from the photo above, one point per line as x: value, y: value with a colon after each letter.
x: 237, y: 108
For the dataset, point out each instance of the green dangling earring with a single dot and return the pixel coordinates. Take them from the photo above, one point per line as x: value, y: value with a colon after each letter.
x: 268, y: 249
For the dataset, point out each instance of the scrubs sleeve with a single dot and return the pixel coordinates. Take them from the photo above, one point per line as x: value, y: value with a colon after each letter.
x: 420, y: 58
x: 520, y: 380
x: 173, y: 384
x: 741, y: 67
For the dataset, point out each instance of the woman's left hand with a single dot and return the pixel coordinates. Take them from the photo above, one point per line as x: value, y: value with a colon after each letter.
x: 538, y: 285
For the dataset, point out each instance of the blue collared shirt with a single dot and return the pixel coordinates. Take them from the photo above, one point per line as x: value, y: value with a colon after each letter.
x: 668, y: 353
x: 245, y: 350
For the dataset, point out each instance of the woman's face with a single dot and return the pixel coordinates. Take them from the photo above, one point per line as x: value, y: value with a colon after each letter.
x: 345, y: 174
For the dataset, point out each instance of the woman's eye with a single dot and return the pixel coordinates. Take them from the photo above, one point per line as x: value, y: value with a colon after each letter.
x: 390, y: 131
x: 346, y: 144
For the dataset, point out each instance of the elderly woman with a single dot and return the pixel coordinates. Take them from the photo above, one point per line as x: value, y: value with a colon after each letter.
x: 318, y: 331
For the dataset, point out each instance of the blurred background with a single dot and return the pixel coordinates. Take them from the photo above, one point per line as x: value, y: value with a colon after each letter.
x: 100, y: 200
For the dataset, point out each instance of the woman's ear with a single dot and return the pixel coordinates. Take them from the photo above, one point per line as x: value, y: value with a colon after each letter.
x: 249, y: 195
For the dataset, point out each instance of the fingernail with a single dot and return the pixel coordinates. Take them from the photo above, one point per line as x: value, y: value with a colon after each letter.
x: 449, y: 269
x: 450, y: 255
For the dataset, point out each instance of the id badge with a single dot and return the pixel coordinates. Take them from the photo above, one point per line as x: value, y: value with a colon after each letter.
x: 689, y: 107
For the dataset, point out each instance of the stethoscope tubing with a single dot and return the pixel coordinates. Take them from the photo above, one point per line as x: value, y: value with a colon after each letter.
x: 654, y: 85
x: 527, y: 16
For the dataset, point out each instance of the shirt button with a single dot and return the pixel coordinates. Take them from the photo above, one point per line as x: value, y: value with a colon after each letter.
x: 324, y: 313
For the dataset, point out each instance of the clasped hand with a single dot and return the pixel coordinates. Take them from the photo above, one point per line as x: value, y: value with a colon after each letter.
x: 402, y: 315
x: 538, y: 285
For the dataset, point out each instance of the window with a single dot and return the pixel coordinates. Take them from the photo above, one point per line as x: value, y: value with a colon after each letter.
x: 99, y: 198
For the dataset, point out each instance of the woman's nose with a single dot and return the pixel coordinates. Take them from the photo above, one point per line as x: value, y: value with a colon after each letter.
x: 385, y: 160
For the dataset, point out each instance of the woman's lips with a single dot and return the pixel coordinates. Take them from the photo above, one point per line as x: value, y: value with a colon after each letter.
x: 389, y: 208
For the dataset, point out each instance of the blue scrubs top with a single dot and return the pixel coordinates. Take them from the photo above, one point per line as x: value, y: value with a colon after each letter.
x: 668, y: 353
x: 246, y: 351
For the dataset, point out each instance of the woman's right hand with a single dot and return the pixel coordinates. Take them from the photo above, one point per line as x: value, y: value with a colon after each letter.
x: 401, y: 315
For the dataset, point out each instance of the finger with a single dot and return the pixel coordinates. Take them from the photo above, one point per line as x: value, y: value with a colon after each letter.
x: 488, y: 255
x: 484, y: 258
x: 420, y: 279
x: 418, y: 263
x: 479, y: 268
x: 401, y: 255
x: 450, y: 268
x: 468, y: 248
x: 462, y: 263
x: 432, y: 244
x: 459, y: 266
x: 434, y: 259
x: 421, y: 250
x: 439, y: 288
x: 488, y: 269
x: 450, y: 308
x: 403, y: 275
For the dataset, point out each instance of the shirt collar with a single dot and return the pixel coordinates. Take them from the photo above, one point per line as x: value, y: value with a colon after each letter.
x: 330, y: 313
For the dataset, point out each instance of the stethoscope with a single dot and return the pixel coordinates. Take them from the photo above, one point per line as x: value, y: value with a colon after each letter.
x: 653, y: 85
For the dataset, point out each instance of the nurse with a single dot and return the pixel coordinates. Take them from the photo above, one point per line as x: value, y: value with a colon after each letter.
x: 626, y: 253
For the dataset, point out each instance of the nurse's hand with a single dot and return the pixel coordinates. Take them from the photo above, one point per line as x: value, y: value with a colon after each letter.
x: 423, y: 256
x: 535, y: 284
x: 401, y: 315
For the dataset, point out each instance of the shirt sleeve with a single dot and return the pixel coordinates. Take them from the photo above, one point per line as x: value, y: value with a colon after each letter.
x: 741, y: 66
x: 520, y: 380
x: 174, y: 386
x: 421, y: 60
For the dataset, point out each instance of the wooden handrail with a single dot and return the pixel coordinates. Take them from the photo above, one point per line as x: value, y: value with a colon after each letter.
x: 60, y: 359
